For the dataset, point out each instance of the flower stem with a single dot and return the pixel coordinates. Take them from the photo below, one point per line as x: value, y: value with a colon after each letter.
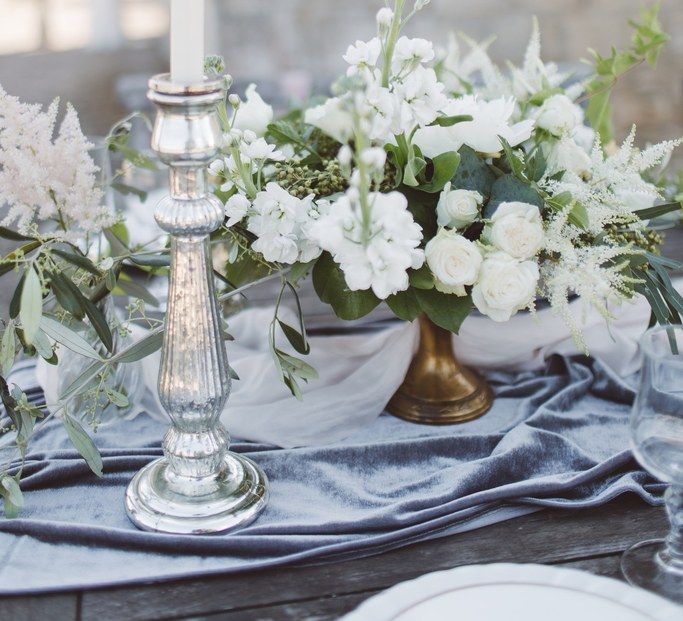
x: 394, y: 31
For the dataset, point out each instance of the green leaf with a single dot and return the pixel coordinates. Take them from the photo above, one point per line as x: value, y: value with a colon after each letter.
x: 296, y: 340
x: 446, y: 311
x: 657, y: 211
x: 13, y: 235
x: 137, y: 158
x: 421, y: 278
x: 118, y: 248
x: 83, y: 380
x: 136, y: 290
x: 151, y: 260
x: 67, y: 294
x: 31, y: 305
x: 300, y: 270
x: 405, y: 305
x: 12, y: 496
x: 508, y: 189
x: 579, y: 216
x: 331, y: 287
x: 296, y: 366
x: 67, y: 337
x: 473, y: 173
x: 9, y: 262
x: 444, y: 166
x: 8, y: 349
x: 43, y: 345
x: 141, y: 349
x: 78, y: 260
x: 117, y: 398
x: 99, y: 322
x: 423, y: 208
x: 83, y: 444
x: 449, y: 121
x: 514, y: 161
x: 127, y: 190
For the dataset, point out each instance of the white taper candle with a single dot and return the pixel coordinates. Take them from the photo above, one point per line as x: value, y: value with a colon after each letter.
x: 187, y: 41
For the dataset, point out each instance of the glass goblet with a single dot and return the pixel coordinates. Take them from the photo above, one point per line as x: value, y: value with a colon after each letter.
x: 657, y: 443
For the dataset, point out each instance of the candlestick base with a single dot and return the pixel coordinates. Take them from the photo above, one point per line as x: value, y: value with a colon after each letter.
x: 158, y: 500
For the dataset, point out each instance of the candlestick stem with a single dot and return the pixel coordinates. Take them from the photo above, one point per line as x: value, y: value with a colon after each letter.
x: 199, y: 486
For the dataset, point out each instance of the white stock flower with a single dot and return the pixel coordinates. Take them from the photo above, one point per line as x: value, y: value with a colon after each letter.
x: 454, y: 260
x: 259, y: 149
x: 517, y: 229
x: 217, y: 166
x: 381, y: 262
x: 458, y: 208
x: 566, y: 155
x: 253, y: 114
x: 362, y: 56
x: 505, y: 286
x: 236, y: 208
x: 384, y: 18
x: 559, y: 115
x: 374, y: 158
x: 408, y: 53
x: 332, y: 117
x: 490, y: 121
x: 280, y: 222
x: 419, y: 98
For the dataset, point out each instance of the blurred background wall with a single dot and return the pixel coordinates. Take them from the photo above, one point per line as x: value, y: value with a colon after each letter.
x: 98, y: 53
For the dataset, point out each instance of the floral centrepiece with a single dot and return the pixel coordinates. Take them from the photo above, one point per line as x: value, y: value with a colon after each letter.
x: 438, y: 182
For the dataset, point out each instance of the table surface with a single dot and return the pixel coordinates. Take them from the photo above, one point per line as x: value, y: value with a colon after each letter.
x: 588, y: 539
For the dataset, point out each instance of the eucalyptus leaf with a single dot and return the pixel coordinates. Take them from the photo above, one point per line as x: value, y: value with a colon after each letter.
x: 136, y: 290
x: 67, y: 337
x: 8, y: 348
x: 405, y: 305
x: 331, y: 287
x: 141, y: 349
x: 83, y: 443
x: 296, y: 340
x: 446, y: 311
x: 31, y: 307
x: 473, y: 173
x: 509, y: 188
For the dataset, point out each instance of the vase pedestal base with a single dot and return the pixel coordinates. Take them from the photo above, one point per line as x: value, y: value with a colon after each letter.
x: 437, y: 389
x: 159, y: 502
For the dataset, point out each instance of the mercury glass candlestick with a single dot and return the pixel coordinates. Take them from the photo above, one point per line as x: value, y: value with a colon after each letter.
x: 199, y: 486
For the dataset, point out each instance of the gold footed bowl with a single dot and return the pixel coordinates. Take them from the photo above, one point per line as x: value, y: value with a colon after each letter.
x: 438, y: 390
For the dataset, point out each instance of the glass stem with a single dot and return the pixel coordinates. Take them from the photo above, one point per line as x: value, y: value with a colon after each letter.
x: 673, y: 555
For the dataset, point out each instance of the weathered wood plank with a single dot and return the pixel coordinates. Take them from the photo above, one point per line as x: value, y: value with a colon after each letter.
x: 56, y: 607
x: 546, y: 537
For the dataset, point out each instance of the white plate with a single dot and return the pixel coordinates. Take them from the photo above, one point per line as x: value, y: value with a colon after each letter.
x: 509, y: 592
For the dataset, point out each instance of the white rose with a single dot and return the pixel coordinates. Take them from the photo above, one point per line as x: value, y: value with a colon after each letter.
x: 458, y: 208
x: 567, y: 155
x: 517, y: 229
x: 454, y: 261
x: 559, y: 115
x: 505, y: 286
x: 236, y: 208
x: 254, y: 114
x: 332, y: 118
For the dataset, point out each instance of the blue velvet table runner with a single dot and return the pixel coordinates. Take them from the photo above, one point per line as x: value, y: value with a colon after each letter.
x: 558, y: 438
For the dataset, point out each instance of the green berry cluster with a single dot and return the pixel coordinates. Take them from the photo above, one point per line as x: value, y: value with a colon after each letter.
x: 301, y: 180
x: 647, y: 239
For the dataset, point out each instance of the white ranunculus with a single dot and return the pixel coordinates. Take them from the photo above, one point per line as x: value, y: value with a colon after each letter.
x: 332, y: 118
x: 236, y: 208
x: 454, y: 260
x: 505, y: 286
x: 559, y: 115
x: 517, y: 229
x: 253, y: 114
x: 567, y: 155
x: 490, y: 121
x: 457, y: 208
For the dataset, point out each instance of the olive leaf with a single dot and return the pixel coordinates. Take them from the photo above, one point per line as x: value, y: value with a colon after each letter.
x: 31, y: 307
x: 83, y: 443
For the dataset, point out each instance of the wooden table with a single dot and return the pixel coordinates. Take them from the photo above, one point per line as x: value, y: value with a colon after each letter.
x: 589, y: 539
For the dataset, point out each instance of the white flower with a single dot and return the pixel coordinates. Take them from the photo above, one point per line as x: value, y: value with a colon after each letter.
x: 584, y: 136
x: 454, y: 260
x: 380, y: 262
x: 517, y: 229
x: 458, y: 208
x: 559, y: 115
x: 505, y: 286
x: 566, y: 155
x: 332, y: 117
x: 408, y: 53
x: 419, y: 98
x: 253, y: 114
x: 374, y: 158
x: 236, y: 208
x: 490, y: 121
x: 384, y: 18
x: 637, y: 194
x: 277, y: 248
x: 217, y: 166
x: 362, y: 56
x: 259, y: 149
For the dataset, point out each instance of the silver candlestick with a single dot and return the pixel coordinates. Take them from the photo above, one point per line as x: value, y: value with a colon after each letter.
x: 198, y: 486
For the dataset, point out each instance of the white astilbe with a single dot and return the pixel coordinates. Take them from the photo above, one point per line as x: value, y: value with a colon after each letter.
x: 44, y: 179
x: 613, y: 183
